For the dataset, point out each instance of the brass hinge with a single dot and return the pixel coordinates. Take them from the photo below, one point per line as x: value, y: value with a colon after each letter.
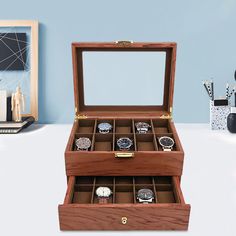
x: 168, y: 116
x: 124, y: 43
x: 79, y: 116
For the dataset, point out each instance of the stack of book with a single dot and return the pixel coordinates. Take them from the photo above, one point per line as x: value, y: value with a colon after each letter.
x: 12, y: 127
x: 5, y: 106
x: 7, y: 126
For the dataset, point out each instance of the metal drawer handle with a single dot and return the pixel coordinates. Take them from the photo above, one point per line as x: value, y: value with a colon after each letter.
x: 124, y: 220
x: 124, y: 155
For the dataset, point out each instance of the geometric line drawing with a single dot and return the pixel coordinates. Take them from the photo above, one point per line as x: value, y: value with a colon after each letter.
x: 13, y: 46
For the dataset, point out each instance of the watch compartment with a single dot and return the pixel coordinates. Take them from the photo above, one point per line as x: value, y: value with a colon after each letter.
x: 81, y: 210
x: 146, y: 154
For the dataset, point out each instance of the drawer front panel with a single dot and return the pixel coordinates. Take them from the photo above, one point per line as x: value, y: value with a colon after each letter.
x: 125, y: 217
x: 168, y: 163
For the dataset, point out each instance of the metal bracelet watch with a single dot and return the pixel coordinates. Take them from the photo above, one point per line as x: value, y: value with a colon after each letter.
x: 124, y: 143
x: 142, y: 127
x: 104, y: 128
x: 83, y: 144
x: 145, y: 195
x: 166, y: 143
x: 103, y: 194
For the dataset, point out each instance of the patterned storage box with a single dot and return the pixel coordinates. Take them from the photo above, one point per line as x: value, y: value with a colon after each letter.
x: 218, y: 116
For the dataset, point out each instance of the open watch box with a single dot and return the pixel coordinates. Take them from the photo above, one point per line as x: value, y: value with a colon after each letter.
x: 125, y: 86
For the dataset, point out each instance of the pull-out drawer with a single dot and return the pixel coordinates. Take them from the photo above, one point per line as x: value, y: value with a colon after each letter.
x: 81, y: 210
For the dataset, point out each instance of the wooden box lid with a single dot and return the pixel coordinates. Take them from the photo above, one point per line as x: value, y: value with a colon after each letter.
x: 84, y: 109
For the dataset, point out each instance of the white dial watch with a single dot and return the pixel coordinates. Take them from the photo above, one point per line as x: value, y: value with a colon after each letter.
x: 103, y: 194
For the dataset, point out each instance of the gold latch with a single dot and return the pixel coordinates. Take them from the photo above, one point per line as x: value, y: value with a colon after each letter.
x: 168, y: 116
x: 79, y: 116
x: 124, y: 154
x: 124, y: 43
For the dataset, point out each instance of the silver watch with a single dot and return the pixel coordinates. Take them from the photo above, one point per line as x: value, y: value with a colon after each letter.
x: 103, y: 194
x: 104, y: 128
x: 124, y: 143
x: 145, y: 195
x: 83, y: 144
x: 166, y: 143
x: 142, y: 127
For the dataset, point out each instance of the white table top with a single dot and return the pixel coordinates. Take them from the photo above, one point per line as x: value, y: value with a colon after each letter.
x: 33, y: 181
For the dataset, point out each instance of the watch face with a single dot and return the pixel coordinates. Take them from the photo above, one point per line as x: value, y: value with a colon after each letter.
x: 142, y: 125
x: 103, y: 192
x: 166, y: 141
x: 104, y: 127
x: 124, y: 143
x: 145, y: 194
x: 83, y: 143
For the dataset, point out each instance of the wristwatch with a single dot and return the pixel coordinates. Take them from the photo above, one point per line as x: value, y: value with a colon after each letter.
x: 103, y: 194
x: 145, y: 195
x: 124, y: 143
x: 142, y: 127
x: 104, y: 128
x: 166, y: 143
x: 83, y: 144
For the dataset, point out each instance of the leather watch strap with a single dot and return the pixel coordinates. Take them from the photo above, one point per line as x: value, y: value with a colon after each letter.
x: 103, y: 200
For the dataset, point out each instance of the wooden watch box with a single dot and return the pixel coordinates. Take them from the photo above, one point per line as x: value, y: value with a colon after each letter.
x: 106, y: 78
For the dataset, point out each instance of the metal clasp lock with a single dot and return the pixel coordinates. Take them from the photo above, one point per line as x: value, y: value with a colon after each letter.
x: 124, y: 154
x: 124, y: 220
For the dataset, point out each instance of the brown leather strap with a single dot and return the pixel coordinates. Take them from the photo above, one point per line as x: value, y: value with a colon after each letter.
x: 103, y: 200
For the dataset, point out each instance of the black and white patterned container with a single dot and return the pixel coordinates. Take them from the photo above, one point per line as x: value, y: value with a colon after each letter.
x: 218, y: 116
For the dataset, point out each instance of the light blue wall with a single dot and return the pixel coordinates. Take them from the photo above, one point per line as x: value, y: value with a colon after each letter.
x: 204, y: 30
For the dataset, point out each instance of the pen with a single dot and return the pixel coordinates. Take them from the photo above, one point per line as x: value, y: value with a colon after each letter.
x: 212, y: 90
x: 207, y: 90
x: 227, y: 91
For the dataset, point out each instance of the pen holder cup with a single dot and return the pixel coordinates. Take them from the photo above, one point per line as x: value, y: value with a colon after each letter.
x: 218, y: 116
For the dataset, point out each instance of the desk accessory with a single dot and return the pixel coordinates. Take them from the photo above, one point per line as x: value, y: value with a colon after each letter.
x: 15, y: 127
x: 219, y: 108
x: 5, y: 106
x: 126, y: 169
x: 231, y: 119
x: 19, y: 61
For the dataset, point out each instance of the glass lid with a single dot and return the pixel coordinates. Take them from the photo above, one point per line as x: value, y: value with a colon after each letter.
x: 124, y: 79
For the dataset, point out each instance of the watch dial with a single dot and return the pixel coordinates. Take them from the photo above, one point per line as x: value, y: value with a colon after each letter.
x: 83, y: 143
x: 103, y: 192
x: 104, y: 126
x: 124, y: 143
x: 140, y: 125
x: 145, y: 194
x: 166, y: 141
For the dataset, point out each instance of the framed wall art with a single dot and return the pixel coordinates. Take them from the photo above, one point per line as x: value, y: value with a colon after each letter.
x: 19, y: 61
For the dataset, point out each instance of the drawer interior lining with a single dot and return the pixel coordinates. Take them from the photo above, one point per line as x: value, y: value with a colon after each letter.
x: 124, y: 189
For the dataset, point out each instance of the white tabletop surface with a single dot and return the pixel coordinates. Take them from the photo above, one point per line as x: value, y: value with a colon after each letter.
x: 33, y: 182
